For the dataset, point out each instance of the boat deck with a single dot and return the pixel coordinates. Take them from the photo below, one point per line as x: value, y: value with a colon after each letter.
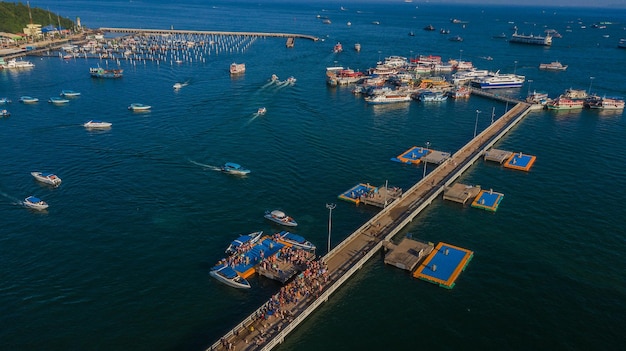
x: 488, y: 200
x: 444, y: 265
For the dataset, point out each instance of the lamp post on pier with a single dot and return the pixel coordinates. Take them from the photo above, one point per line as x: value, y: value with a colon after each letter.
x: 530, y: 82
x: 425, y: 162
x: 476, y: 124
x: 330, y: 208
x: 590, y: 82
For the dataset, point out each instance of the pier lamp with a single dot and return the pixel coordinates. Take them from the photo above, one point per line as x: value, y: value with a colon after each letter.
x: 590, y: 82
x: 530, y: 82
x: 425, y: 162
x: 330, y: 208
x: 476, y: 124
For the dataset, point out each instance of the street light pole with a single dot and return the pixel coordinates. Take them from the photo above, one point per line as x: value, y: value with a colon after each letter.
x: 425, y: 162
x: 476, y: 124
x: 590, y: 82
x: 530, y: 82
x: 330, y: 208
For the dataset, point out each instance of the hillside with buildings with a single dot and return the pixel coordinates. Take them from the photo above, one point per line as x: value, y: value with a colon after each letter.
x: 16, y: 16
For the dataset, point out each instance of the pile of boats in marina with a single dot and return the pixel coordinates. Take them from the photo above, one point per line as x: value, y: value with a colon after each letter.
x: 574, y: 99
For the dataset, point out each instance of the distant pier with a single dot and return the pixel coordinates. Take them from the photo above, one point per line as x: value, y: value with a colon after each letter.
x: 205, y: 32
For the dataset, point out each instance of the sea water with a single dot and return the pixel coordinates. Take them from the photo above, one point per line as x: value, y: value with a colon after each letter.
x: 120, y: 260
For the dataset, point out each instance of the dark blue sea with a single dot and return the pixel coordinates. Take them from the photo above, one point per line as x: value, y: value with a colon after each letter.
x: 120, y: 260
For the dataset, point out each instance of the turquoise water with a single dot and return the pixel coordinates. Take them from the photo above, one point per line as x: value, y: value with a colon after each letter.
x: 121, y: 258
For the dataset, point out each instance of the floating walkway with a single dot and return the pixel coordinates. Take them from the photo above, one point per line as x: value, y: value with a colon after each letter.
x: 520, y: 162
x: 413, y: 155
x: 488, y: 200
x: 444, y: 265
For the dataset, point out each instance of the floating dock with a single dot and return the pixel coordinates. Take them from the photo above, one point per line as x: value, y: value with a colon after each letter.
x: 488, y: 200
x: 461, y: 193
x: 354, y: 194
x: 370, y: 195
x: 444, y: 265
x: 412, y: 155
x: 406, y: 254
x: 266, y: 247
x: 497, y: 155
x: 520, y: 162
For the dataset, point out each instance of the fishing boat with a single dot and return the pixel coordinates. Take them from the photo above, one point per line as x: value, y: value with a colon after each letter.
x: 58, y: 100
x: 456, y: 38
x: 237, y: 68
x: 460, y: 92
x: 281, y: 218
x: 388, y: 98
x: 564, y: 103
x: 243, y: 240
x: 35, y: 203
x: 261, y: 111
x: 4, y: 113
x: 5, y: 100
x: 538, y: 98
x: 99, y: 72
x: 621, y: 44
x: 607, y: 103
x: 28, y: 99
x: 291, y: 80
x: 93, y: 124
x: 228, y: 276
x: 553, y: 66
x: 69, y: 93
x: 531, y: 39
x: 47, y: 178
x: 429, y: 27
x: 234, y: 168
x: 295, y: 240
x: 337, y: 48
x: 429, y: 96
x: 357, y: 47
x: 18, y: 64
x: 139, y: 107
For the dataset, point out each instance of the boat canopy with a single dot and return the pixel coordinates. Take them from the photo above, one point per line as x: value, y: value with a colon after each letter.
x: 279, y: 214
x: 232, y: 165
x: 227, y: 272
x: 294, y: 237
x: 33, y: 199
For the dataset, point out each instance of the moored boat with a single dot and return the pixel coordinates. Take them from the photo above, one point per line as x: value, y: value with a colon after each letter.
x: 497, y: 80
x: 430, y: 96
x: 69, y: 93
x: 4, y: 113
x: 357, y: 47
x: 5, y: 100
x: 531, y: 39
x: 99, y: 72
x: 47, y: 178
x: 338, y: 48
x: 388, y: 98
x: 460, y: 92
x: 18, y: 64
x: 139, y: 107
x: 243, y: 240
x: 237, y: 68
x: 94, y: 124
x: 607, y: 103
x: 229, y: 276
x: 295, y: 240
x: 280, y: 217
x: 35, y: 203
x: 58, y: 100
x: 234, y: 168
x: 553, y: 66
x: 28, y: 99
x: 565, y: 103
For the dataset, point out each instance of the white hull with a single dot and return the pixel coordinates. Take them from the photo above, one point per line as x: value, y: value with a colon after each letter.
x: 234, y: 281
x: 50, y: 179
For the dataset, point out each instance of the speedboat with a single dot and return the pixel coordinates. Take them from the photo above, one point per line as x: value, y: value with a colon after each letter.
x: 47, y: 178
x: 139, y: 107
x: 234, y: 168
x: 243, y: 240
x: 295, y: 240
x: 28, y: 99
x: 281, y: 218
x: 69, y: 93
x: 4, y: 113
x: 291, y: 80
x: 5, y: 100
x: 58, y: 101
x: 228, y: 276
x: 97, y: 125
x: 261, y: 111
x: 35, y: 203
x: 274, y: 78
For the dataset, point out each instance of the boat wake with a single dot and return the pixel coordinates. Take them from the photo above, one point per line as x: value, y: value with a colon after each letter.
x: 14, y: 201
x: 212, y: 168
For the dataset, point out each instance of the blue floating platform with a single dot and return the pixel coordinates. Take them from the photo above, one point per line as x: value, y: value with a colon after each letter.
x: 412, y: 155
x: 354, y: 194
x: 266, y: 247
x: 487, y: 200
x: 520, y: 162
x: 444, y: 265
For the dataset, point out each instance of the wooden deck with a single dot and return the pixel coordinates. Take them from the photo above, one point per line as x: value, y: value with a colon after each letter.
x: 256, y: 332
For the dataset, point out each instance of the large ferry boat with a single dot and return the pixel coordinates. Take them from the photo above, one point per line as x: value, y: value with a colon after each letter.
x: 497, y: 80
x: 607, y: 103
x: 531, y: 39
x: 553, y: 66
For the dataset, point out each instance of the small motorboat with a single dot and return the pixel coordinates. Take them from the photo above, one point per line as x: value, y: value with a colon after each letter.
x: 47, y: 178
x: 97, y: 125
x: 28, y: 99
x: 243, y: 240
x: 178, y: 86
x: 234, y: 168
x: 295, y: 240
x: 281, y: 218
x: 5, y: 100
x: 35, y: 203
x: 229, y: 276
x: 58, y: 100
x: 139, y: 107
x: 69, y: 93
x: 274, y: 78
x: 291, y: 80
x: 261, y: 111
x: 4, y: 113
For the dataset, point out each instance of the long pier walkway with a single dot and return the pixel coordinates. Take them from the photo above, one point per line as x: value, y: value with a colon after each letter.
x: 177, y: 31
x: 259, y: 332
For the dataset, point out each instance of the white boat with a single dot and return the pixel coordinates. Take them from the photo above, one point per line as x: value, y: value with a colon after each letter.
x: 281, y: 218
x: 234, y: 168
x: 261, y: 111
x: 564, y: 103
x: 58, y: 101
x: 139, y: 107
x: 497, y: 80
x: 5, y: 100
x: 97, y: 125
x: 228, y: 276
x: 553, y: 66
x: 18, y: 64
x: 28, y: 99
x: 295, y: 240
x: 5, y: 113
x: 48, y: 178
x: 531, y: 39
x: 338, y: 48
x: 274, y: 78
x: 237, y: 68
x: 70, y: 93
x: 243, y: 240
x: 291, y: 80
x: 607, y: 103
x: 357, y: 47
x: 430, y: 96
x: 35, y: 203
x: 388, y: 98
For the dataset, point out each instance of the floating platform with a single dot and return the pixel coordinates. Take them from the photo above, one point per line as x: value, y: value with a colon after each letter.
x: 520, y: 162
x: 370, y: 195
x: 497, y: 155
x: 266, y: 247
x: 488, y: 200
x: 436, y: 157
x: 412, y: 155
x: 444, y: 265
x: 461, y: 192
x: 406, y: 254
x: 354, y: 194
